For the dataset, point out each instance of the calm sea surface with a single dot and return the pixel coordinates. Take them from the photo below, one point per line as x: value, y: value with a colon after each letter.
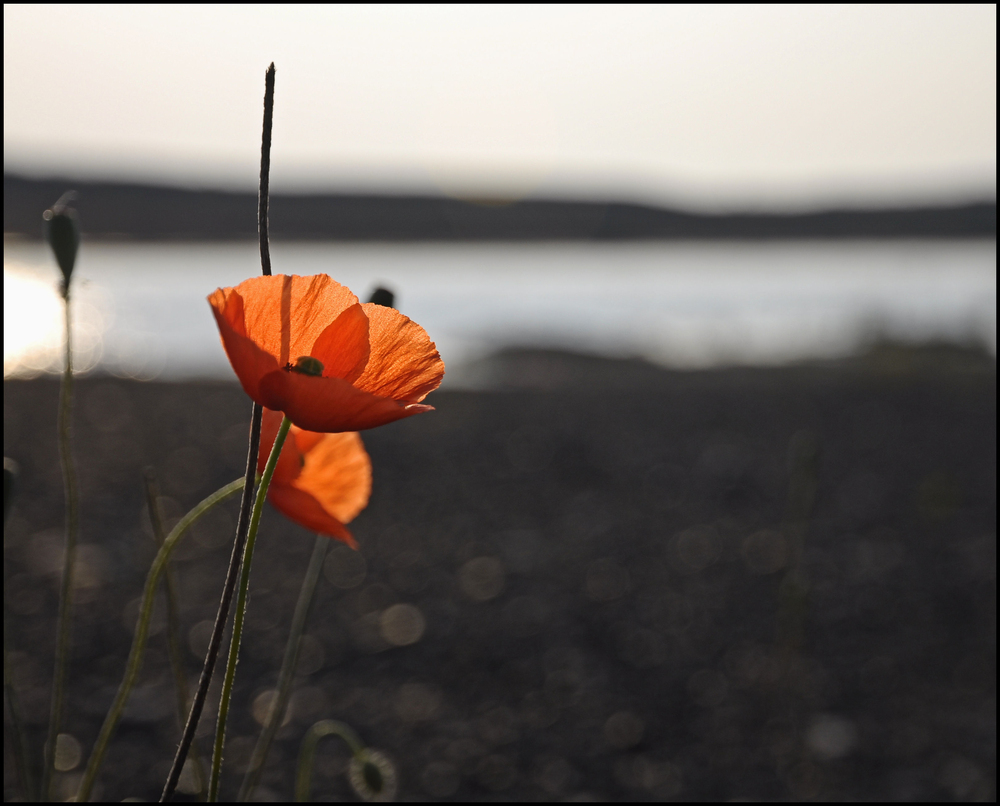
x: 141, y: 309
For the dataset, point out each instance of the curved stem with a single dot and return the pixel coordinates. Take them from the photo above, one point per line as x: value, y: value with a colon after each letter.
x: 241, y: 606
x: 69, y: 561
x: 134, y: 663
x: 276, y: 714
x: 173, y: 622
x: 307, y: 755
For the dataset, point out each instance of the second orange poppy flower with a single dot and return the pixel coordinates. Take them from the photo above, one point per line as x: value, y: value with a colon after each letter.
x: 305, y: 346
x: 321, y: 481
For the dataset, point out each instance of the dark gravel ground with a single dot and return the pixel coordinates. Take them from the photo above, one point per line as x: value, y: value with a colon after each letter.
x: 606, y: 562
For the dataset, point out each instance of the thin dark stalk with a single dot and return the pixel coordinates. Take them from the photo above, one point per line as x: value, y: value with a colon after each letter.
x: 265, y: 172
x: 240, y: 612
x: 198, y: 703
x: 69, y: 560
x: 276, y: 714
x: 246, y: 505
x: 173, y: 621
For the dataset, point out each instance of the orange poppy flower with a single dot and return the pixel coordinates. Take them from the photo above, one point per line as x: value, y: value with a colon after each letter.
x: 305, y: 346
x: 321, y: 481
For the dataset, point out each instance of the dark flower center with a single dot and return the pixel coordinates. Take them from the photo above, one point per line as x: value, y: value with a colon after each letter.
x: 306, y: 365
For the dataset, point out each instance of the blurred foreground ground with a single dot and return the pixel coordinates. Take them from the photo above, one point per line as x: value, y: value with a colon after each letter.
x: 602, y: 592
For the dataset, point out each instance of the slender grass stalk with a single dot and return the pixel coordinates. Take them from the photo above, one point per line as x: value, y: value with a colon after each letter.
x: 198, y: 703
x: 307, y: 755
x: 276, y: 714
x: 241, y: 607
x: 69, y: 561
x: 264, y: 191
x: 173, y: 622
x: 134, y: 664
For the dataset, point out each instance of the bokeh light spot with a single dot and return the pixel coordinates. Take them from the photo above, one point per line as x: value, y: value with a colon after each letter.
x: 263, y: 704
x: 68, y: 752
x: 402, y: 624
x: 345, y: 568
x: 482, y: 578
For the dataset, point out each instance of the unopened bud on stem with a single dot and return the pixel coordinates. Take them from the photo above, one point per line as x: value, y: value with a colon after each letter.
x: 63, y: 234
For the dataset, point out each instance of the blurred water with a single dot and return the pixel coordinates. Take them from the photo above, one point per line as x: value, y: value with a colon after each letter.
x: 141, y: 310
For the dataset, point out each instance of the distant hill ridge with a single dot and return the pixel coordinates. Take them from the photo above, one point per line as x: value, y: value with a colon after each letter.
x: 116, y: 209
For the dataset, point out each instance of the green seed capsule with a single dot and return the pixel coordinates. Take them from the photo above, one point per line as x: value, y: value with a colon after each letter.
x: 307, y: 365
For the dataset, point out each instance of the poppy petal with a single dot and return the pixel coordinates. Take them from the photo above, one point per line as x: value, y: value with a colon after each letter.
x: 338, y: 474
x: 403, y: 364
x: 249, y: 361
x: 306, y: 440
x: 378, y: 365
x: 301, y: 507
x: 285, y: 314
x: 330, y: 404
x: 290, y: 461
x: 342, y: 347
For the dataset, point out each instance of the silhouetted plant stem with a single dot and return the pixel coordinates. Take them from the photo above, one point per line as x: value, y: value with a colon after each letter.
x: 263, y: 195
x: 307, y: 755
x: 69, y: 560
x: 198, y: 703
x: 276, y: 713
x: 241, y: 608
x: 173, y: 622
x: 134, y: 663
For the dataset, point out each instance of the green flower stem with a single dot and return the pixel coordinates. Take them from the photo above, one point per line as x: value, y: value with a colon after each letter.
x: 134, y: 664
x: 241, y: 606
x: 307, y: 755
x: 276, y: 714
x: 173, y: 623
x: 69, y: 560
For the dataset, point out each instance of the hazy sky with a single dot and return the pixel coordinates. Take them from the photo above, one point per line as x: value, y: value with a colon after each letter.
x: 717, y: 105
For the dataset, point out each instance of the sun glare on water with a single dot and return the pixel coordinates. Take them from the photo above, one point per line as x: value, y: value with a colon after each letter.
x: 33, y: 326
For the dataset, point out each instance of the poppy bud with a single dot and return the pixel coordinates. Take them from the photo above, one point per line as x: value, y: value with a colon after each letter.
x: 372, y: 776
x: 383, y: 296
x: 63, y: 234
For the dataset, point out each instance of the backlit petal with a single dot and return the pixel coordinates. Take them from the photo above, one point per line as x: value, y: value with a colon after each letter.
x: 338, y: 474
x: 342, y: 347
x: 291, y: 460
x: 403, y: 363
x: 330, y: 404
x: 305, y: 510
x: 250, y: 362
x: 285, y: 314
